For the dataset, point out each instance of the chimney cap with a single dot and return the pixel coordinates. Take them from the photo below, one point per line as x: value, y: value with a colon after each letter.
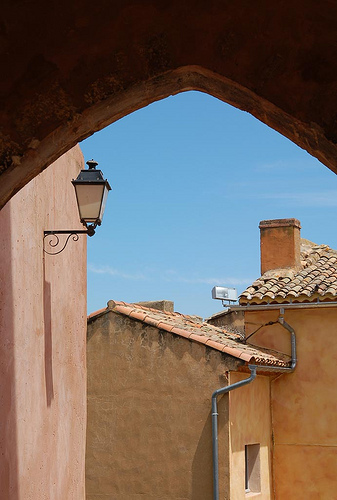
x: 280, y: 223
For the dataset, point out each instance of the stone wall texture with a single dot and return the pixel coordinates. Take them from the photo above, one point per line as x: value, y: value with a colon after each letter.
x: 42, y: 343
x: 71, y: 69
x: 149, y: 413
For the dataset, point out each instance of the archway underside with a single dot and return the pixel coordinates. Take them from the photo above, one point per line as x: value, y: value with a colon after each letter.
x: 72, y: 71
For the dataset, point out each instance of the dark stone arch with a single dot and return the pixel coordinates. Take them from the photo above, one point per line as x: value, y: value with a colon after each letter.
x: 73, y: 69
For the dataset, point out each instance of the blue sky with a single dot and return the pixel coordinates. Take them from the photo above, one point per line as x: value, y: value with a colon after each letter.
x: 192, y: 177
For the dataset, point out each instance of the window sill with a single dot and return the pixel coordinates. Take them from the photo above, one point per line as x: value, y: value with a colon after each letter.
x: 253, y: 494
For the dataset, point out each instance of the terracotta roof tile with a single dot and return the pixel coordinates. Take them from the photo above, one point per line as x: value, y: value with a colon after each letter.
x: 316, y: 280
x: 138, y: 315
x: 214, y: 344
x: 181, y: 332
x: 164, y: 326
x: 199, y: 338
x: 97, y: 313
x: 196, y: 330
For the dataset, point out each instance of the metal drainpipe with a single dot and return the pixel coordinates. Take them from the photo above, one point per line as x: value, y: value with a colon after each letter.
x: 215, y: 394
x: 293, y: 361
x: 229, y: 388
x: 293, y: 341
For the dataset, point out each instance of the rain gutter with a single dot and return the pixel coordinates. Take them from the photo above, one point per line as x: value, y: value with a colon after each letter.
x: 297, y: 305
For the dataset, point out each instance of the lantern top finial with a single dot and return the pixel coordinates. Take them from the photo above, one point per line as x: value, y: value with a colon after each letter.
x: 92, y: 164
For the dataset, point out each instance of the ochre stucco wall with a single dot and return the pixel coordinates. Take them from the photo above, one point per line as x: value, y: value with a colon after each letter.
x: 304, y: 404
x: 250, y: 423
x: 149, y: 413
x: 42, y: 343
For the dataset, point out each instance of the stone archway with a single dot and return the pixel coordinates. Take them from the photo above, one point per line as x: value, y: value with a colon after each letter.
x: 73, y: 70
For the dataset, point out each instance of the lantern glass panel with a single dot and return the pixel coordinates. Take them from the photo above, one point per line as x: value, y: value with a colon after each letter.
x: 89, y: 199
x: 105, y: 197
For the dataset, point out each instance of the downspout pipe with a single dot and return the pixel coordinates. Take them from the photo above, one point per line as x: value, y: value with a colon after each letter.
x: 293, y: 342
x: 215, y: 395
x: 293, y: 361
x: 237, y: 385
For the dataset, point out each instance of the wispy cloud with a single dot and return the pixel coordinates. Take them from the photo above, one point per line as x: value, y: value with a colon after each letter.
x: 173, y: 276
x: 293, y: 165
x: 326, y: 198
x: 271, y: 166
x: 115, y: 272
x: 170, y: 275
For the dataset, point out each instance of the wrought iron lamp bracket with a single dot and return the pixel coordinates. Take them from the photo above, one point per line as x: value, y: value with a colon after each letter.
x: 54, y: 241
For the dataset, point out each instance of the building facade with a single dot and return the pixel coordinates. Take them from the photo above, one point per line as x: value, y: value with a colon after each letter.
x: 151, y: 376
x: 299, y: 278
x: 42, y: 348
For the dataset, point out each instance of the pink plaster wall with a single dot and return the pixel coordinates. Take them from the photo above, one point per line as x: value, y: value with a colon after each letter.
x: 42, y: 343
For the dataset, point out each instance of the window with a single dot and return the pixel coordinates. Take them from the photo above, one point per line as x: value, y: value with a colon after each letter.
x: 252, y: 468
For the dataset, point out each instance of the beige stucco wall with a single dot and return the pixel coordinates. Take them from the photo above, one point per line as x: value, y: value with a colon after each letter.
x: 304, y: 405
x: 250, y: 423
x: 149, y: 413
x: 42, y: 343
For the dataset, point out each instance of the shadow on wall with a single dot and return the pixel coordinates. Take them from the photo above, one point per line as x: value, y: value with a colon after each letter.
x: 8, y: 429
x: 48, y: 344
x: 202, y: 468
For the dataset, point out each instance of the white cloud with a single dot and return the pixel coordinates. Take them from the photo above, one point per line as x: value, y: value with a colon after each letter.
x: 217, y: 280
x: 169, y: 275
x: 292, y: 165
x: 275, y: 165
x: 115, y: 272
x: 326, y: 198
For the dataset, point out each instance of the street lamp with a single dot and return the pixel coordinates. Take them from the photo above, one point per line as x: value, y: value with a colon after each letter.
x: 91, y: 194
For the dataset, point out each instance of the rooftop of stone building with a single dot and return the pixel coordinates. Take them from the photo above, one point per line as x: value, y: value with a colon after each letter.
x: 196, y: 330
x: 316, y: 280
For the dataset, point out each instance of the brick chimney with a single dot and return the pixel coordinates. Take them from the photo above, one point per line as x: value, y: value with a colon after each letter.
x: 280, y: 244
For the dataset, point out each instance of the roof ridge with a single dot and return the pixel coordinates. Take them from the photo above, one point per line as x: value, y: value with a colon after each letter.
x: 204, y: 333
x: 317, y: 278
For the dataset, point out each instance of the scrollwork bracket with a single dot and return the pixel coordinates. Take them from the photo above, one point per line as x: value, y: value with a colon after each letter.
x: 54, y: 241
